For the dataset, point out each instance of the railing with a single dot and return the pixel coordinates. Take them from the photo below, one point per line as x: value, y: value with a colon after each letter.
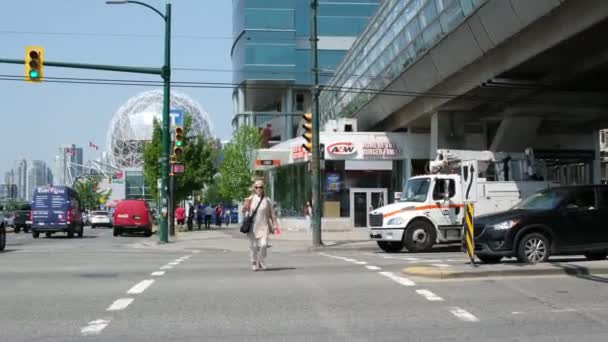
x: 396, y: 37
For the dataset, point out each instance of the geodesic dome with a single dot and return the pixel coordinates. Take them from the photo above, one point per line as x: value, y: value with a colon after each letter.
x: 132, y: 125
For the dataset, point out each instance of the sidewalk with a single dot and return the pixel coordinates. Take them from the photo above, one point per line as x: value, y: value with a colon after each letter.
x: 231, y: 239
x: 573, y: 266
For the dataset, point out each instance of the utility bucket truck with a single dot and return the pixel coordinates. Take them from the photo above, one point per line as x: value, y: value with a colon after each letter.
x: 431, y: 208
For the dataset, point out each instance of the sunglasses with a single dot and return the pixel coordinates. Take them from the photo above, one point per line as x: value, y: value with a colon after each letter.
x: 258, y: 187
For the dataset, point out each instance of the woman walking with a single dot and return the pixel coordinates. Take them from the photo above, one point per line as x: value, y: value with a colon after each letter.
x: 264, y: 224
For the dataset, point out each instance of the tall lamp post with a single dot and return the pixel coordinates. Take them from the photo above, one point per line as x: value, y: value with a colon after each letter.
x: 166, y: 136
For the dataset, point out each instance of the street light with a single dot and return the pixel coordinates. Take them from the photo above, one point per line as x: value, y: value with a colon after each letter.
x: 166, y: 137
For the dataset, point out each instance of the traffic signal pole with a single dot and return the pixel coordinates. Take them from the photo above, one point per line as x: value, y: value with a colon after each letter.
x: 315, y: 162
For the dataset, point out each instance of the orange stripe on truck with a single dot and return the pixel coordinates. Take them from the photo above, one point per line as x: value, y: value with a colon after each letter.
x: 424, y: 207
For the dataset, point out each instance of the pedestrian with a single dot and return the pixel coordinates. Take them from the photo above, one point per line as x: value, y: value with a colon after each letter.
x: 180, y: 215
x: 190, y: 217
x: 227, y: 217
x: 264, y: 224
x: 199, y: 215
x: 218, y: 215
x: 208, y: 213
x: 308, y: 216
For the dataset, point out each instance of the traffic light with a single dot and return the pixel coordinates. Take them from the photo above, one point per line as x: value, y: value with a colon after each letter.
x: 307, y: 132
x: 34, y: 63
x: 178, y: 148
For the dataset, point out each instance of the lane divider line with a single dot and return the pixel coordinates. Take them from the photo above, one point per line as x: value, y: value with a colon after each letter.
x: 94, y: 327
x: 360, y: 262
x: 398, y: 279
x: 440, y: 265
x: 463, y: 315
x: 373, y: 268
x: 350, y: 260
x: 157, y: 273
x: 429, y: 295
x: 141, y: 286
x: 120, y: 304
x: 166, y: 267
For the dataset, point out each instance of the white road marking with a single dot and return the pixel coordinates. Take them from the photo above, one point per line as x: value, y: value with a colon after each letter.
x: 95, y: 327
x: 350, y: 260
x: 441, y: 265
x: 373, y: 268
x: 120, y: 304
x: 361, y: 263
x: 398, y: 279
x: 158, y: 273
x: 464, y: 315
x: 174, y: 263
x: 141, y: 286
x: 166, y: 267
x: 400, y: 258
x: 429, y: 295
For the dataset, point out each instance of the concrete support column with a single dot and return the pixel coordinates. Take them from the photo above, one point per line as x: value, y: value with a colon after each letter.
x: 596, y: 170
x: 434, y: 145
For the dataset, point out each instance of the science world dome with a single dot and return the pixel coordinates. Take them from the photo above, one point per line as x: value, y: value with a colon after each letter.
x: 132, y: 125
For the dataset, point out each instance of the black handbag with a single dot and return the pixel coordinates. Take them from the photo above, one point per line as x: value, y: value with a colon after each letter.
x: 247, y: 224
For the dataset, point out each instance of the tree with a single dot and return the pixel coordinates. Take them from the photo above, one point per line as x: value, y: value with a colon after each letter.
x: 88, y: 195
x: 235, y: 170
x: 198, y: 159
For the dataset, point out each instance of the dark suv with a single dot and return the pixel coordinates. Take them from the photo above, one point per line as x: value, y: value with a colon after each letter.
x: 563, y: 220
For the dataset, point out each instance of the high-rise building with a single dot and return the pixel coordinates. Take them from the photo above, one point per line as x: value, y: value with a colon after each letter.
x: 271, y: 56
x: 8, y: 192
x: 68, y: 164
x: 39, y: 174
x: 20, y: 171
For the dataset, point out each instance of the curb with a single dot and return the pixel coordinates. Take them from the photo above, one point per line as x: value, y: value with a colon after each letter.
x: 558, y: 269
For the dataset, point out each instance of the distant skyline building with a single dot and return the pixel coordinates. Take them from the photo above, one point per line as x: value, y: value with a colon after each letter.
x: 20, y: 171
x: 271, y: 57
x: 8, y: 192
x: 39, y: 174
x: 68, y: 164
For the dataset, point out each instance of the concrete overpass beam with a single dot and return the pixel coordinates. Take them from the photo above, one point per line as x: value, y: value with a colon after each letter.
x: 515, y: 134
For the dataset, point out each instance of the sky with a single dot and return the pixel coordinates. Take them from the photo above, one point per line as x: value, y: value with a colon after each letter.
x: 35, y: 119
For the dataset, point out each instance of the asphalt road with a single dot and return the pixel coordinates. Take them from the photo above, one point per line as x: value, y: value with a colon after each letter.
x: 103, y: 288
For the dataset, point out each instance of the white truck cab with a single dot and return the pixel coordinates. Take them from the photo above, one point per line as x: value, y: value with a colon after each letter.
x: 431, y: 207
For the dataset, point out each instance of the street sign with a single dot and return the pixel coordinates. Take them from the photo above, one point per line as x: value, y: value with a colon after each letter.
x: 178, y: 168
x: 177, y: 117
x: 469, y: 240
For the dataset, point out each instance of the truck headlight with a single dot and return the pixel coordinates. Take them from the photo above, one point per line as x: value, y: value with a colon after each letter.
x: 395, y: 222
x: 504, y: 225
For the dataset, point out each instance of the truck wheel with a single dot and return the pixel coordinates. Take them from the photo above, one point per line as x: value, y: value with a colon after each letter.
x: 81, y: 232
x: 390, y: 246
x: 533, y: 248
x: 26, y: 229
x: 17, y: 229
x: 2, y: 238
x: 148, y: 233
x: 116, y: 232
x: 490, y: 259
x: 419, y: 237
x: 70, y: 233
x: 35, y: 234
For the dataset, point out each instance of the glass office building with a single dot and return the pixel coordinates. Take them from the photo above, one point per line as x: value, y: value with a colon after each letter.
x: 271, y: 56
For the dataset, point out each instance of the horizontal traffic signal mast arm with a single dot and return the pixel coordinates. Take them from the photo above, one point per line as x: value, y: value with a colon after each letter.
x: 120, y: 68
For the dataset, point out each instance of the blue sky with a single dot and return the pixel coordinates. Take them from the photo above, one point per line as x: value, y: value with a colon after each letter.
x: 36, y: 118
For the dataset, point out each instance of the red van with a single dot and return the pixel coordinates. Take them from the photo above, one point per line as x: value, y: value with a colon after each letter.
x: 133, y: 216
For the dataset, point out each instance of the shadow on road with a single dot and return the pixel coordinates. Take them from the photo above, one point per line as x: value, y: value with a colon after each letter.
x: 581, y: 272
x: 280, y: 269
x: 67, y: 238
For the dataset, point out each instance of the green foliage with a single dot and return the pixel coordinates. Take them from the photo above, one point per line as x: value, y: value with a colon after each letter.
x: 235, y: 171
x: 199, y: 161
x: 152, y: 153
x: 87, y: 192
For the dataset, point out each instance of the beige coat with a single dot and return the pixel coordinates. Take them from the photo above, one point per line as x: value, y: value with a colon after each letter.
x: 265, y: 219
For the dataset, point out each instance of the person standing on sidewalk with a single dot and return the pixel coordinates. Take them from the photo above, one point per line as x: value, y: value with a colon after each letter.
x: 199, y: 215
x: 180, y: 215
x: 191, y: 217
x: 208, y: 214
x: 308, y: 216
x: 264, y: 224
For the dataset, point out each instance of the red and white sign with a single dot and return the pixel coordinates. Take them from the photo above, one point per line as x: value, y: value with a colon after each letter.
x: 342, y: 149
x: 298, y: 152
x: 380, y: 149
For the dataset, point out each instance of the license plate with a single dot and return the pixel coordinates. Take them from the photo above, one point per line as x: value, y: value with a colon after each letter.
x: 136, y: 217
x: 123, y: 216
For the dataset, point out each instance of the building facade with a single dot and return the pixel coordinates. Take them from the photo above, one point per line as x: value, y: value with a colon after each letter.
x: 68, y: 164
x: 20, y: 174
x: 271, y: 56
x: 39, y: 174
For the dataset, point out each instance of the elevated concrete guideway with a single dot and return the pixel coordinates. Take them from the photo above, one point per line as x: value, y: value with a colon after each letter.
x: 517, y: 74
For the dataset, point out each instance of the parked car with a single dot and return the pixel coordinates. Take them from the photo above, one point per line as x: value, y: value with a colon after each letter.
x: 133, y: 216
x: 2, y: 229
x: 100, y: 218
x: 22, y: 218
x: 562, y: 220
x: 56, y: 209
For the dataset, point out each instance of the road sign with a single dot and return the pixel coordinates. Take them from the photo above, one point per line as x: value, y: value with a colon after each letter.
x: 469, y: 181
x: 177, y: 117
x: 469, y: 242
